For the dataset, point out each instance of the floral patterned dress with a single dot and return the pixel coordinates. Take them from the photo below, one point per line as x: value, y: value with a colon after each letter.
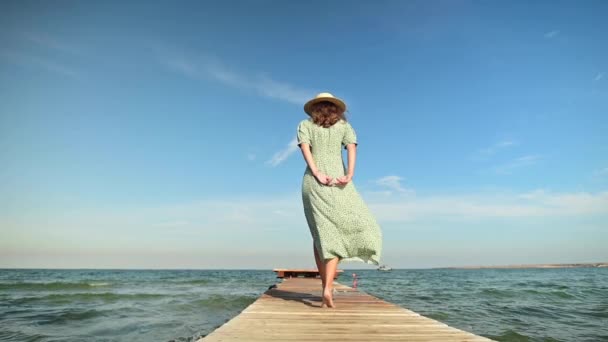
x: 340, y: 222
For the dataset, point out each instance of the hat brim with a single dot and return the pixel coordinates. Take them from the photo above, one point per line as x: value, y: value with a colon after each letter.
x: 339, y: 103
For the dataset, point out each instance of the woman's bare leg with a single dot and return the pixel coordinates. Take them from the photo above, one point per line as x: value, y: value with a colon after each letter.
x: 320, y: 265
x: 330, y: 272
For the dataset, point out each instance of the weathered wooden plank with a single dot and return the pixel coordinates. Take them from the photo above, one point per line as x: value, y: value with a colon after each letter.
x: 291, y: 312
x: 295, y: 272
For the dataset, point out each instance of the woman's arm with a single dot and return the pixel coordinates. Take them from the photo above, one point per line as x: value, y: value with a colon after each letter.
x: 324, y: 179
x: 352, y: 157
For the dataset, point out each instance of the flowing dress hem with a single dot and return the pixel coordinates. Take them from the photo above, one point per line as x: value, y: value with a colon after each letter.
x: 367, y: 260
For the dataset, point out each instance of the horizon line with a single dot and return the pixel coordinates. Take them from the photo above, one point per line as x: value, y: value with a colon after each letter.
x: 536, y: 265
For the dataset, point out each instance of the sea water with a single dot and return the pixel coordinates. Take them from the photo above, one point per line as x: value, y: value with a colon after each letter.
x: 564, y: 304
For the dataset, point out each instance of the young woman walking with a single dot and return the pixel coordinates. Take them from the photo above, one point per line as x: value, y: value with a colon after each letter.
x: 342, y: 227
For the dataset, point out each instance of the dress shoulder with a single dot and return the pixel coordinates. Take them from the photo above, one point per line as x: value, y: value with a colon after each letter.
x: 305, y: 121
x: 350, y: 136
x: 303, y: 133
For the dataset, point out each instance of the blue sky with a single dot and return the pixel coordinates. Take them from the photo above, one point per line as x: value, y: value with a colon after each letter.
x: 161, y: 134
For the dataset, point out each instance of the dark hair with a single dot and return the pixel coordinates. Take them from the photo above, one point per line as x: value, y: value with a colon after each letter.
x: 325, y: 113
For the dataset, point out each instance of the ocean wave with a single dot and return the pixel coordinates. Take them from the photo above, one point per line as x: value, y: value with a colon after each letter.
x: 99, y: 284
x: 510, y: 336
x: 543, y: 311
x: 438, y: 315
x: 494, y: 292
x: 194, y: 281
x: 545, y: 293
x: 52, y: 286
x: 599, y: 311
x: 6, y: 334
x: 68, y: 315
x: 67, y: 298
x: 541, y: 284
x: 217, y: 301
x: 509, y: 293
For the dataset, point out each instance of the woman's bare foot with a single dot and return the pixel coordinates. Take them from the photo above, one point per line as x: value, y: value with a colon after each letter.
x: 328, y: 300
x: 333, y: 290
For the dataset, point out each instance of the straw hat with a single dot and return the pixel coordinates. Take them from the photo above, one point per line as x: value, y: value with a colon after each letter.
x: 324, y: 97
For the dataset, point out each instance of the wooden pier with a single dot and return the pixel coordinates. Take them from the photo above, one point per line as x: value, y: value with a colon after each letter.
x: 290, y: 311
x: 296, y: 272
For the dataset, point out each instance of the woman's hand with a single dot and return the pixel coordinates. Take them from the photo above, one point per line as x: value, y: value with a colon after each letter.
x: 344, y: 179
x: 322, y: 178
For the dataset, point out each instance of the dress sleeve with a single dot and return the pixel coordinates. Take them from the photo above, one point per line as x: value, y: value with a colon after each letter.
x: 350, y: 137
x: 303, y: 135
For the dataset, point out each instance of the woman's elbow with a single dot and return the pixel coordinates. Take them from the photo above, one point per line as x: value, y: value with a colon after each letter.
x: 304, y: 146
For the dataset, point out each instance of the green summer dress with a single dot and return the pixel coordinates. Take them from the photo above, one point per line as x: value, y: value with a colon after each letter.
x: 340, y: 222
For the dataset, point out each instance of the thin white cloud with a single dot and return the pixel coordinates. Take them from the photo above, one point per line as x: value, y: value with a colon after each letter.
x: 575, y: 203
x: 173, y: 223
x: 251, y: 156
x: 533, y: 195
x: 52, y: 43
x: 207, y: 68
x: 39, y: 63
x: 46, y: 42
x: 601, y: 173
x: 213, y: 220
x: 551, y: 34
x: 393, y: 183
x: 260, y: 83
x: 517, y: 163
x: 599, y: 76
x: 537, y: 203
x: 486, y: 152
x: 283, y: 154
x: 250, y: 225
x: 49, y: 62
x: 506, y: 143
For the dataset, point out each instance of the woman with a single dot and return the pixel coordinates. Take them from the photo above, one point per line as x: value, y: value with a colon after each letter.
x: 342, y: 227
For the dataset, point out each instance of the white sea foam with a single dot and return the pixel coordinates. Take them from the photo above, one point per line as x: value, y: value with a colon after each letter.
x: 99, y: 284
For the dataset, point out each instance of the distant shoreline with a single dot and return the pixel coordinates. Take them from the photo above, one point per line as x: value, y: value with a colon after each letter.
x: 472, y: 267
x: 574, y: 265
